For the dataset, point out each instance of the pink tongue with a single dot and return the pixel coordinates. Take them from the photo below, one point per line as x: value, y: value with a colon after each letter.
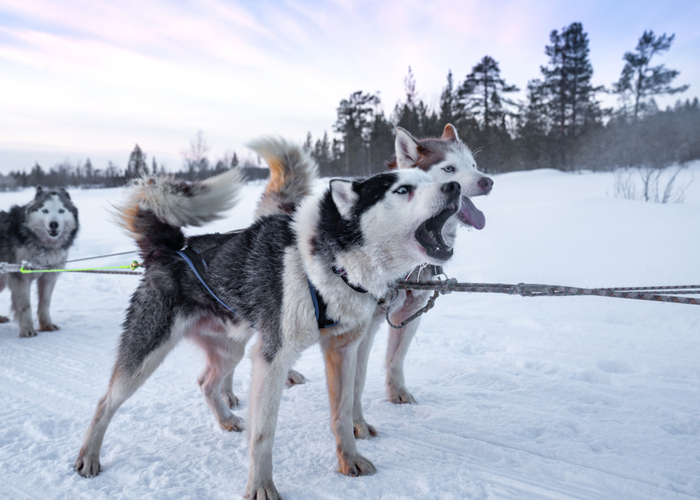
x: 469, y: 214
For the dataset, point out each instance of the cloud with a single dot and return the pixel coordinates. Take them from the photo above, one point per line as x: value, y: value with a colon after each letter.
x: 158, y: 71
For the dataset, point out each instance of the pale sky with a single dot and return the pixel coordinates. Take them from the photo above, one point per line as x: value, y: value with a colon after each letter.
x: 89, y: 78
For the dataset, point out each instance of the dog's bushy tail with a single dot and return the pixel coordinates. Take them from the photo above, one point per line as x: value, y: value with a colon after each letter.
x: 157, y: 207
x: 292, y: 173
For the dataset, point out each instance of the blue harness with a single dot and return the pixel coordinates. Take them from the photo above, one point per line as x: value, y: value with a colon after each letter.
x: 199, y: 268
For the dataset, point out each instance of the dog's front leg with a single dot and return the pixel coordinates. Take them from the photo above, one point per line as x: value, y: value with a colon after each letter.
x: 21, y: 304
x: 399, y: 342
x: 3, y: 283
x: 362, y: 429
x: 45, y: 285
x: 340, y: 354
x: 266, y: 389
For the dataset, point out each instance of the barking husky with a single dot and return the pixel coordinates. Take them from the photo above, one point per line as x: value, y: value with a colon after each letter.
x: 40, y: 233
x: 445, y: 159
x: 314, y: 276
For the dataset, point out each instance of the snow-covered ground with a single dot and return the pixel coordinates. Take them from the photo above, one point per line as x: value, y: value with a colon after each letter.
x: 577, y: 397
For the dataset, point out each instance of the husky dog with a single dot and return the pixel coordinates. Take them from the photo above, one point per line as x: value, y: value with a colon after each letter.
x: 314, y: 276
x: 444, y: 159
x: 40, y: 233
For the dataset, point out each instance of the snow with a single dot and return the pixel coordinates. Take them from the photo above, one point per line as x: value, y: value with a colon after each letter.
x: 519, y: 398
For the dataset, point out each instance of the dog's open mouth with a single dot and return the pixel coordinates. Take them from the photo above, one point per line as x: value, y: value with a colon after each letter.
x: 54, y: 232
x: 470, y: 215
x: 429, y: 235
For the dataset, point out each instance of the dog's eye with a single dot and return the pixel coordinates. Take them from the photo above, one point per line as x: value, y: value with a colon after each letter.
x: 403, y: 189
x: 45, y: 211
x: 449, y: 169
x: 60, y: 211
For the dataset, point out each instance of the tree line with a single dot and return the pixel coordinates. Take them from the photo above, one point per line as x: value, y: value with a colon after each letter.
x: 196, y: 166
x: 560, y: 124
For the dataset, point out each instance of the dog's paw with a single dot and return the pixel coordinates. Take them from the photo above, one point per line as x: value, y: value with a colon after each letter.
x: 230, y: 399
x: 87, y: 466
x: 262, y: 492
x: 27, y: 331
x: 363, y: 430
x: 400, y: 396
x: 233, y: 424
x: 355, y: 465
x: 48, y: 327
x: 4, y: 319
x: 294, y: 378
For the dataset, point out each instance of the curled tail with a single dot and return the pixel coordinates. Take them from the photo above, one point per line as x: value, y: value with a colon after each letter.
x: 158, y: 207
x: 292, y: 172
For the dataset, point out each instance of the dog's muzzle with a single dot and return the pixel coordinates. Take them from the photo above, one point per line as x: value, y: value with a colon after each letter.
x: 429, y: 234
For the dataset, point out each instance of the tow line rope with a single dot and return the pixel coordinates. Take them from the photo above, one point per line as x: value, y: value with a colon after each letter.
x: 26, y: 268
x: 654, y: 293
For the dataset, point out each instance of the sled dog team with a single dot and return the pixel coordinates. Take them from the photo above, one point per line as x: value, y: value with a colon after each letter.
x: 311, y: 269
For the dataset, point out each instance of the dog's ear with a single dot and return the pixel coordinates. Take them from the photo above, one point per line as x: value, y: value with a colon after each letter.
x: 407, y: 149
x: 450, y: 133
x: 344, y: 197
x: 39, y: 190
x: 65, y: 193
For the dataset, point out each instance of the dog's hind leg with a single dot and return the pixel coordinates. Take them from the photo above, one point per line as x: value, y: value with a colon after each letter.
x: 361, y: 428
x: 340, y: 354
x: 399, y: 342
x: 132, y: 369
x: 45, y: 285
x: 21, y: 304
x: 216, y: 381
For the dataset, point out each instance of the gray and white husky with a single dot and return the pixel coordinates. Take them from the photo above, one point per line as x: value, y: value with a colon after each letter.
x: 313, y: 276
x: 40, y: 233
x: 445, y: 159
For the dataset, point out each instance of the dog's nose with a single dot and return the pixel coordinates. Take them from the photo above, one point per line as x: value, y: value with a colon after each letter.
x: 53, y: 225
x: 451, y: 187
x: 485, y: 183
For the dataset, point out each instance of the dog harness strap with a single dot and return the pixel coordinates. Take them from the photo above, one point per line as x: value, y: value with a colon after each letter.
x: 199, y: 267
x: 320, y: 308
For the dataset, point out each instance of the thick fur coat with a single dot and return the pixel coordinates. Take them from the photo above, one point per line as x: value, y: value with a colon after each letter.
x: 262, y: 279
x: 39, y: 233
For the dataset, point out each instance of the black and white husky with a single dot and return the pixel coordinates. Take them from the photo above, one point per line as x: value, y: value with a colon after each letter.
x: 445, y: 159
x: 313, y: 276
x: 39, y: 233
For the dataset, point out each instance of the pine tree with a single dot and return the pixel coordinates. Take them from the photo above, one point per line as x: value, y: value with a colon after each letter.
x: 571, y: 106
x: 533, y: 127
x: 323, y: 156
x: 381, y: 143
x: 642, y: 81
x: 137, y: 164
x: 355, y: 116
x: 448, y: 103
x: 89, y: 170
x: 481, y: 94
x: 413, y: 114
x: 308, y: 143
